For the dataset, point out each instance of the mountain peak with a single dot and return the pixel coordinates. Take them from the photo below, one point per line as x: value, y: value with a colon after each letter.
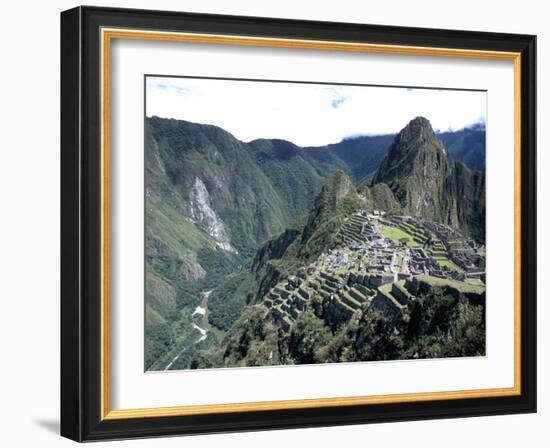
x: 419, y: 129
x: 419, y: 121
x: 337, y: 186
x: 425, y: 182
x: 415, y: 144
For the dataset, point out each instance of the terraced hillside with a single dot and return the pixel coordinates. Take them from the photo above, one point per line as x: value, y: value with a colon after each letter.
x: 367, y: 269
x: 370, y: 283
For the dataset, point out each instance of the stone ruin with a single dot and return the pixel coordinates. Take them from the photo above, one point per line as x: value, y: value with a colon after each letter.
x: 361, y: 272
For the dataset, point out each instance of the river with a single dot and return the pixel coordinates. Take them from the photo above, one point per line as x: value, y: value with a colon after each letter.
x: 202, y: 326
x: 174, y: 359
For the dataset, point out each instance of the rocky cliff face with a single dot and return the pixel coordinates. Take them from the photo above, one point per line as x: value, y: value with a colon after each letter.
x: 428, y: 184
x: 415, y: 170
x: 203, y: 214
x: 274, y: 249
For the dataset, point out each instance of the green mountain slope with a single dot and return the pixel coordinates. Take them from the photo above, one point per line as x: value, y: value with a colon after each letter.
x: 466, y: 145
x: 211, y: 202
x: 357, y: 156
x: 429, y: 184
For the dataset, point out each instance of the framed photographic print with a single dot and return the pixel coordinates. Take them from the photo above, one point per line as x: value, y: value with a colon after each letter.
x: 273, y: 223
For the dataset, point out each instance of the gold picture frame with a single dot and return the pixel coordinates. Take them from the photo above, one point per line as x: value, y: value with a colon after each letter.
x: 517, y: 49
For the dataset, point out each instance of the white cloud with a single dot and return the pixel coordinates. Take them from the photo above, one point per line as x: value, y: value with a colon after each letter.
x: 308, y: 114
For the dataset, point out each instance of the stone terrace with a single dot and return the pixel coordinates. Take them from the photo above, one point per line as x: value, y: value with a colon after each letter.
x: 366, y: 269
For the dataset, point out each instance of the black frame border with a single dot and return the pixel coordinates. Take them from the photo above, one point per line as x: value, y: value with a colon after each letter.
x: 81, y: 223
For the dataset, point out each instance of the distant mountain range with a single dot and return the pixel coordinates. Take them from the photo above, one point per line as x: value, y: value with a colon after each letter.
x: 212, y: 203
x: 466, y: 145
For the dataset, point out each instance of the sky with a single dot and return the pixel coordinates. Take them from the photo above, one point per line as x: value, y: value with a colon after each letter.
x: 308, y: 114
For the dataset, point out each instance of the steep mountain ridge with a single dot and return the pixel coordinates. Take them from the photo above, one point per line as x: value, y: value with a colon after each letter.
x: 302, y: 244
x: 334, y: 190
x: 427, y: 183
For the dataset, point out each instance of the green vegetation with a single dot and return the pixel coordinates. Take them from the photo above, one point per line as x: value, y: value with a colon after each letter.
x: 252, y: 341
x: 158, y: 340
x: 461, y: 286
x: 462, y: 335
x: 438, y: 251
x: 448, y: 263
x: 438, y: 326
x: 398, y: 235
x: 335, y: 203
x: 228, y: 300
x: 418, y: 234
x: 379, y: 197
x: 437, y: 248
x: 169, y: 340
x: 308, y: 334
x: 466, y: 145
x: 475, y: 282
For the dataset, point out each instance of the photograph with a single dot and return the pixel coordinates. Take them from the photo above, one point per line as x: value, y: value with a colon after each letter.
x: 295, y: 223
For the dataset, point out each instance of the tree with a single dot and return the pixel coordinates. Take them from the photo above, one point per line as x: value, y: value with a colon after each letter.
x: 308, y: 334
